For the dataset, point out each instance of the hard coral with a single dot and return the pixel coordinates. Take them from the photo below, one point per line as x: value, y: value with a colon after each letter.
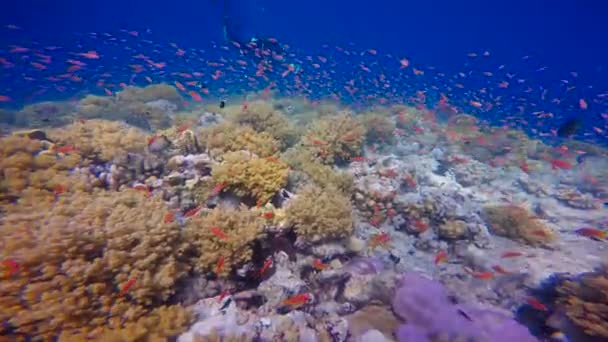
x: 75, y: 257
x: 152, y: 92
x: 224, y: 234
x: 45, y: 114
x: 306, y: 168
x: 517, y: 223
x: 262, y: 117
x: 585, y: 302
x: 320, y: 214
x: 248, y: 175
x: 334, y: 139
x: 380, y: 129
x: 101, y: 139
x: 228, y: 137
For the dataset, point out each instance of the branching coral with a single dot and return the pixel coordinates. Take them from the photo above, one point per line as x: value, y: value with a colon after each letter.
x: 227, y: 137
x: 585, y: 302
x: 75, y: 256
x: 248, y: 175
x: 306, y: 168
x: 517, y: 223
x: 100, y: 139
x: 26, y: 162
x: 380, y: 129
x: 262, y: 117
x: 334, y: 139
x: 152, y: 92
x: 224, y: 236
x: 320, y: 214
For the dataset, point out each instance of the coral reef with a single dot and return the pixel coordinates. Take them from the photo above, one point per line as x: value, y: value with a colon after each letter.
x: 100, y: 139
x: 305, y: 169
x: 87, y: 261
x: 150, y: 93
x: 454, y: 229
x: 228, y: 137
x: 584, y: 300
x: 262, y: 117
x: 334, y: 139
x: 517, y: 223
x: 248, y: 175
x: 320, y: 214
x: 380, y: 129
x: 45, y: 114
x: 223, y: 237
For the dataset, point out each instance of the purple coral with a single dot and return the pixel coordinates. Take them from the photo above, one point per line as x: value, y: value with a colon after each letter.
x: 425, y: 307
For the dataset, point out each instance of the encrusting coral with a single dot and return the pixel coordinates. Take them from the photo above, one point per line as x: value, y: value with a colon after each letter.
x: 222, y: 238
x: 248, y: 175
x: 320, y: 214
x: 334, y: 139
x: 517, y: 223
x: 584, y: 300
x: 87, y: 262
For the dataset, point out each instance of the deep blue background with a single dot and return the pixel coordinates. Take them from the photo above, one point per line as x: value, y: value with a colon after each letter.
x: 565, y: 35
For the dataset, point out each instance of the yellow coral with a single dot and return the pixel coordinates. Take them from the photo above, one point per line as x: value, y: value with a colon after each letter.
x: 101, y: 139
x: 248, y: 175
x: 319, y: 214
x: 301, y: 160
x: 152, y: 92
x: 379, y: 128
x: 334, y: 139
x: 77, y: 252
x: 262, y: 117
x: 517, y: 223
x: 585, y: 302
x: 228, y: 137
x: 224, y: 236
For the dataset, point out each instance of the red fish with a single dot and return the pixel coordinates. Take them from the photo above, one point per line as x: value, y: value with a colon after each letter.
x: 65, y: 149
x: 510, y: 254
x: 379, y: 239
x: 217, y: 189
x: 4, y: 98
x: 129, y: 284
x: 441, y: 257
x: 11, y: 266
x: 89, y: 55
x: 357, y: 159
x: 583, y: 104
x: 298, y: 300
x: 58, y: 189
x: 265, y: 267
x: 269, y: 215
x: 319, y: 265
x: 220, y: 265
x: 192, y: 212
x: 195, y: 96
x: 560, y: 164
x: 151, y: 139
x: 500, y: 270
x: 169, y: 217
x: 536, y: 304
x: 219, y: 233
x: 223, y: 295
x: 592, y: 233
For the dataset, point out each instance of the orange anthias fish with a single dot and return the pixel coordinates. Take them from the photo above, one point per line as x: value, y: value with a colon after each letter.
x: 319, y: 265
x: 219, y: 233
x: 500, y: 270
x: 11, y: 267
x: 269, y: 215
x: 510, y: 254
x: 129, y: 284
x: 65, y: 149
x: 265, y: 267
x: 441, y: 257
x: 592, y: 233
x: 192, y: 212
x: 536, y: 304
x: 298, y: 300
x: 169, y: 217
x: 217, y: 189
x: 220, y: 265
x: 380, y: 239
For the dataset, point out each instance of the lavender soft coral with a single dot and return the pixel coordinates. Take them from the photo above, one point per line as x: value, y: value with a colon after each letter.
x: 428, y: 314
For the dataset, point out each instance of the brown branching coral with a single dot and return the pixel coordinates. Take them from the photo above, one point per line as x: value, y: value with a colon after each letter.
x: 101, y: 139
x: 77, y: 253
x: 262, y: 117
x: 320, y: 214
x: 585, y: 302
x: 224, y: 236
x: 26, y: 162
x: 517, y: 223
x: 228, y: 137
x: 336, y: 138
x: 248, y: 175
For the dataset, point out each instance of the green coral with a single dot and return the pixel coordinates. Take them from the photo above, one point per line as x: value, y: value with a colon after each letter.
x: 249, y: 175
x: 517, y: 223
x: 320, y: 214
x: 334, y: 139
x: 239, y: 228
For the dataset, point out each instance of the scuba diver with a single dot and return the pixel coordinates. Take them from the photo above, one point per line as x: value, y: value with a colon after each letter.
x: 237, y: 27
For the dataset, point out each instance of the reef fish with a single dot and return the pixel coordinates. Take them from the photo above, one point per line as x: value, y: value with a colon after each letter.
x: 441, y: 257
x: 592, y: 233
x: 298, y: 300
x: 219, y: 233
x: 11, y: 267
x: 536, y: 304
x: 128, y: 285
